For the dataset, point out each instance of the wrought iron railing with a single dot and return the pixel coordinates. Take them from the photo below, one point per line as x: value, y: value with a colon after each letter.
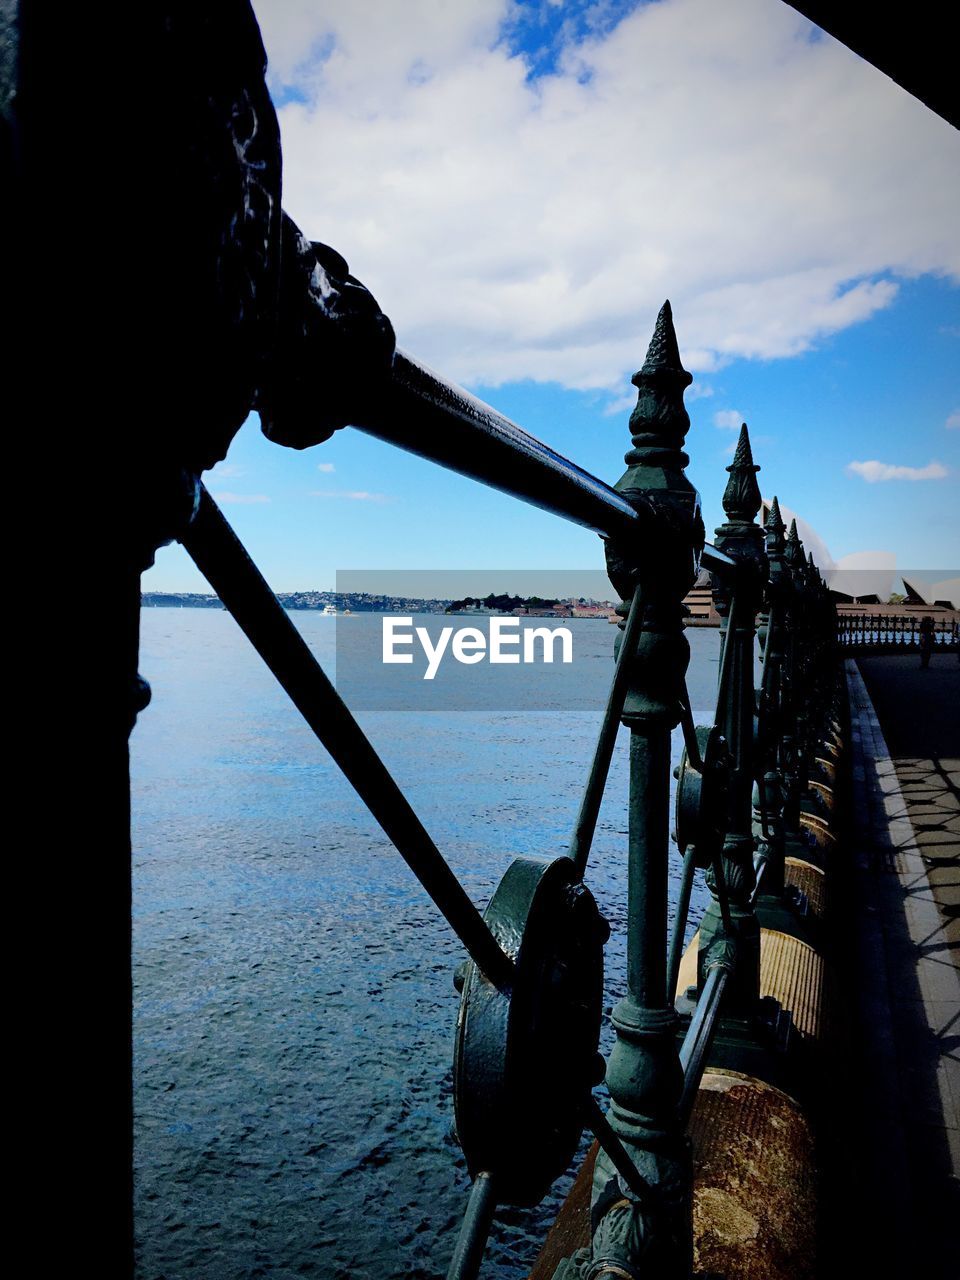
x: 531, y: 992
x: 218, y: 304
x: 876, y: 632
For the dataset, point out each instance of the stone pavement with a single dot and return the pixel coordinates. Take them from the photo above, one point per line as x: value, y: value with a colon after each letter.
x: 906, y: 903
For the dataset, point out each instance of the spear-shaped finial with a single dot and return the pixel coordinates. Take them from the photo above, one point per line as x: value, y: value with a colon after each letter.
x: 655, y: 480
x: 774, y: 543
x: 663, y: 352
x: 659, y: 423
x: 793, y: 548
x: 741, y: 498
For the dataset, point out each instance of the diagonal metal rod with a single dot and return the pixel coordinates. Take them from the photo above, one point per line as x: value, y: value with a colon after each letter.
x: 689, y: 731
x: 468, y: 1251
x: 680, y: 922
x: 586, y: 824
x: 718, y: 561
x: 420, y: 411
x: 699, y: 1037
x: 222, y: 559
x: 599, y: 1126
x: 766, y: 677
x: 726, y: 661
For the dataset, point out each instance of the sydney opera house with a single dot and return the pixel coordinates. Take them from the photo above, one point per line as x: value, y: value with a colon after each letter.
x: 866, y: 581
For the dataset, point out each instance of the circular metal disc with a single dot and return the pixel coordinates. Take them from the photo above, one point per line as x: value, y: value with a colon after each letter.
x: 525, y: 1058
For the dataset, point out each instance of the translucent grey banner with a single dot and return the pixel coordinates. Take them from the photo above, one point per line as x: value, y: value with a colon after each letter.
x: 474, y: 640
x: 892, y: 588
x: 897, y: 611
x: 500, y: 640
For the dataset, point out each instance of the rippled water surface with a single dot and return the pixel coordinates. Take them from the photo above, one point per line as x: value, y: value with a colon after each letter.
x: 294, y: 1006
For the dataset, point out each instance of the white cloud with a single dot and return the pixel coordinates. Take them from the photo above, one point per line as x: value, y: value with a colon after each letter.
x: 953, y: 422
x: 225, y: 471
x: 756, y: 442
x: 241, y: 499
x: 874, y: 471
x: 769, y: 184
x: 326, y: 467
x: 728, y: 418
x: 621, y: 404
x: 353, y: 495
x: 813, y: 544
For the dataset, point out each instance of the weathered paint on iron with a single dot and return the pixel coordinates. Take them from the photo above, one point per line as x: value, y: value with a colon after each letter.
x: 754, y: 1195
x: 526, y: 1058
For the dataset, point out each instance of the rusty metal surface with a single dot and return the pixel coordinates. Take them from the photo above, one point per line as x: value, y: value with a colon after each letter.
x: 571, y: 1229
x: 754, y: 1205
x: 754, y: 1197
x: 810, y: 880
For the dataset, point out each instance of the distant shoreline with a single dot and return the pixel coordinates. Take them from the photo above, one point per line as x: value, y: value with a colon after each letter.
x: 366, y: 602
x: 310, y: 601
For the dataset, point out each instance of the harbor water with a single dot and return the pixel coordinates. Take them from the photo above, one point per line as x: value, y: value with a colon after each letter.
x: 294, y: 1003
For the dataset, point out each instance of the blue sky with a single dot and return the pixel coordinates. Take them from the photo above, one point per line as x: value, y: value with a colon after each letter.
x: 522, y: 185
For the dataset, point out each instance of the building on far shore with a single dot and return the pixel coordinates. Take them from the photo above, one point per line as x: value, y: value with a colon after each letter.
x: 699, y: 603
x: 939, y: 600
x: 702, y: 613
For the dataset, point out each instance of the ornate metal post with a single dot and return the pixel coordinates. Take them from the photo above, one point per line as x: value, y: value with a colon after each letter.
x: 643, y: 1073
x: 813, y: 692
x: 794, y: 752
x: 742, y: 539
x: 770, y: 726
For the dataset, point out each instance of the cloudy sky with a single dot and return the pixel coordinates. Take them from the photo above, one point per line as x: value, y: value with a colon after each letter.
x: 522, y: 184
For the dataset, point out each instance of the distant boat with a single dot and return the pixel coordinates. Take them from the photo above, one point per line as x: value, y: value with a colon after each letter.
x: 328, y: 611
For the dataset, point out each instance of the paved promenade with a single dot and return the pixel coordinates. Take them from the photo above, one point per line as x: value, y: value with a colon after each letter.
x: 905, y: 729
